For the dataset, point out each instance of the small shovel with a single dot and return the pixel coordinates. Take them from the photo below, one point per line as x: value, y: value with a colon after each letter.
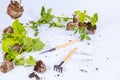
x: 62, y: 46
x: 58, y: 67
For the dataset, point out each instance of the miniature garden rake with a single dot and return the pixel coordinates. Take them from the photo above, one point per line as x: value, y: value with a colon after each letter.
x: 58, y: 67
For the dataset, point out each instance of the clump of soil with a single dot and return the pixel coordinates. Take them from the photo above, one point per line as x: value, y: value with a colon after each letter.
x: 75, y: 19
x: 14, y: 9
x: 82, y: 24
x: 17, y: 47
x: 71, y: 25
x: 91, y: 29
x: 32, y: 75
x: 40, y: 67
x: 8, y: 30
x: 6, y: 66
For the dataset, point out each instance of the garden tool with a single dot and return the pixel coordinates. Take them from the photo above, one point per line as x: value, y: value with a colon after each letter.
x: 59, y: 67
x: 62, y: 46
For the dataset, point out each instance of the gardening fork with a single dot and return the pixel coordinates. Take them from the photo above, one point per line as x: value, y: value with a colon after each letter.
x: 62, y: 46
x: 58, y: 67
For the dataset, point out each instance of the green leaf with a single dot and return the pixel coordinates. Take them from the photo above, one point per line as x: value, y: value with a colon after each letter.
x: 7, y: 43
x: 28, y: 44
x: 87, y: 37
x: 38, y: 45
x: 20, y: 61
x: 6, y: 35
x: 18, y: 28
x: 94, y: 19
x: 30, y: 61
x: 49, y: 11
x: 11, y: 54
x: 82, y: 36
x: 43, y: 11
x: 81, y: 16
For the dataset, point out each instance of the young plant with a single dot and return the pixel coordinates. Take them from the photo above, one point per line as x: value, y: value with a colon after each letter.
x: 19, y: 42
x: 47, y: 18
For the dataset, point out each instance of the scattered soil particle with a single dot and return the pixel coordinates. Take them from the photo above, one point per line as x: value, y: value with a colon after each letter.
x: 32, y: 75
x: 45, y: 56
x: 6, y: 66
x: 71, y: 35
x: 88, y: 43
x: 58, y: 75
x: 8, y: 30
x: 40, y: 67
x: 97, y: 69
x: 82, y: 70
x: 14, y: 9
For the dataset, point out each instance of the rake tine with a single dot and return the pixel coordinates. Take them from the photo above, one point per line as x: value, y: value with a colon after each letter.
x: 60, y: 70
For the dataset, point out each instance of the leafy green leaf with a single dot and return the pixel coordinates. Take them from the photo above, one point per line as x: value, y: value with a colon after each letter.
x: 43, y: 11
x: 18, y: 28
x: 11, y: 54
x: 38, y: 45
x: 30, y: 61
x: 87, y: 37
x: 94, y: 19
x: 7, y: 43
x: 20, y: 61
x: 6, y: 35
x: 28, y: 44
x: 81, y: 16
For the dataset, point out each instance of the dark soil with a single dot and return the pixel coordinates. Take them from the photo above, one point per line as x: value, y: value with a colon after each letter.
x: 75, y: 19
x: 8, y: 30
x: 40, y: 67
x: 71, y: 25
x: 97, y: 69
x: 32, y: 75
x: 6, y: 66
x: 17, y: 47
x: 91, y: 29
x: 82, y: 24
x: 15, y: 10
x: 82, y: 70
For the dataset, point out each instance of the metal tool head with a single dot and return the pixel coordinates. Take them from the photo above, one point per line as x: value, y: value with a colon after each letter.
x: 58, y: 68
x: 48, y: 50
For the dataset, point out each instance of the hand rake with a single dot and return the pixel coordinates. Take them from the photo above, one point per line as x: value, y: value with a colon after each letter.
x: 58, y: 67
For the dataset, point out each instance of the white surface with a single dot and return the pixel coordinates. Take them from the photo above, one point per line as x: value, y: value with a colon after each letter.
x: 103, y: 51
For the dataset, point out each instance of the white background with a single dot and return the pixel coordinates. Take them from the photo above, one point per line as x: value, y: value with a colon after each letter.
x: 102, y: 53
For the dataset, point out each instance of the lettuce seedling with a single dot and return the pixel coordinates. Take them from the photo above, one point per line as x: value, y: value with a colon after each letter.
x: 19, y: 37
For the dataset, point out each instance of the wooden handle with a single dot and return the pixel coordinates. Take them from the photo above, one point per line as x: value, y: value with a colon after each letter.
x: 70, y: 54
x: 66, y: 44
